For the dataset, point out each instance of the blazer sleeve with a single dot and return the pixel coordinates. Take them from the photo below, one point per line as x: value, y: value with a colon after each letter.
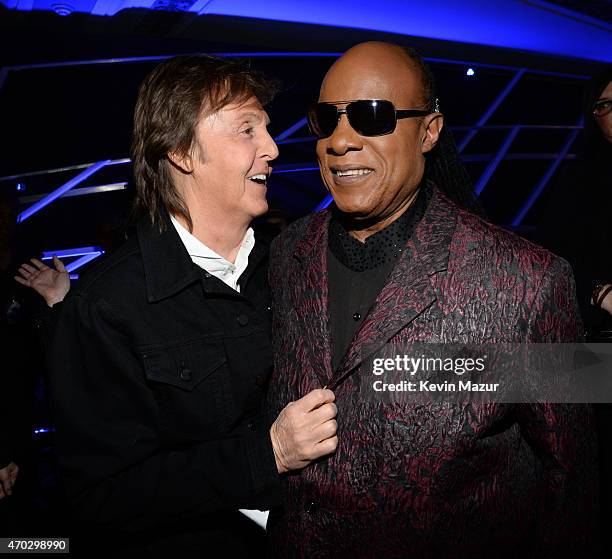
x: 561, y: 435
x: 114, y: 468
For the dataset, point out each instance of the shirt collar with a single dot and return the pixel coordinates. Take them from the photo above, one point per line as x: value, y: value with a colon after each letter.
x: 214, y: 263
x: 382, y: 247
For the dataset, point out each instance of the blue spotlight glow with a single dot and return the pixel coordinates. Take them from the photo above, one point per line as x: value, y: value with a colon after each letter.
x: 470, y: 72
x: 43, y: 430
x: 537, y: 25
x: 20, y: 187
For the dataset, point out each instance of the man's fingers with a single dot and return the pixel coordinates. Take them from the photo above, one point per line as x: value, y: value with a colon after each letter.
x: 324, y: 413
x: 326, y: 430
x: 59, y: 265
x: 326, y: 447
x: 28, y: 268
x: 305, y: 430
x: 316, y: 398
x: 38, y: 264
x: 22, y: 281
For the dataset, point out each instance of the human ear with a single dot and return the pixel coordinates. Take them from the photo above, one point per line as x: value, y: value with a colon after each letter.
x: 182, y: 161
x: 433, y: 125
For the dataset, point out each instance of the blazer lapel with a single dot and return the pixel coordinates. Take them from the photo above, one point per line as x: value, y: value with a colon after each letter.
x: 409, y: 290
x: 310, y: 298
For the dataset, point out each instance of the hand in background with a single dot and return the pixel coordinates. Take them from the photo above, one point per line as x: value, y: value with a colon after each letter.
x: 51, y: 284
x: 8, y: 475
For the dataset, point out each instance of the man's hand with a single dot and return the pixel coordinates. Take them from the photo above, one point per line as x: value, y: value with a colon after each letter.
x: 305, y: 430
x: 52, y: 285
x: 8, y: 475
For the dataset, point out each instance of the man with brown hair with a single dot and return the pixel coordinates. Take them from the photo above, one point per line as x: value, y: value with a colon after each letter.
x: 161, y: 355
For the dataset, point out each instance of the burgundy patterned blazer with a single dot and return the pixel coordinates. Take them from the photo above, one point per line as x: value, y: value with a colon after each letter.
x: 436, y: 480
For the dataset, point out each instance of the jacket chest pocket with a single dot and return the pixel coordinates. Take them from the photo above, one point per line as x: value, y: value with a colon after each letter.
x: 186, y: 380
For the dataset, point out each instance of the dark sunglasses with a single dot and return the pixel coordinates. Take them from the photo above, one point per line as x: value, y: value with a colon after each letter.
x: 368, y: 117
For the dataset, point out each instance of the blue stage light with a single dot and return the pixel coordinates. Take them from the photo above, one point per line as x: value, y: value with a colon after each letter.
x: 20, y: 187
x: 43, y: 430
x: 470, y: 72
x: 62, y: 9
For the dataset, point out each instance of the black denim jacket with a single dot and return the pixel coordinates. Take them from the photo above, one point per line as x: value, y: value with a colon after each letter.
x: 158, y: 371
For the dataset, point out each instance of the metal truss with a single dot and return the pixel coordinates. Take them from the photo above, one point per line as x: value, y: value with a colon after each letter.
x: 84, y: 254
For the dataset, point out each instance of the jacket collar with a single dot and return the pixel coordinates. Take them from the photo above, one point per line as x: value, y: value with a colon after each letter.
x: 315, y: 236
x: 168, y: 268
x: 434, y: 246
x: 167, y: 265
x: 408, y: 292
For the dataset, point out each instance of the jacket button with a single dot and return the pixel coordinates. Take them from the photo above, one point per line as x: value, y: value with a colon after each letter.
x: 251, y: 425
x: 310, y: 507
x: 242, y: 319
x: 356, y: 316
x: 260, y: 380
x: 186, y: 374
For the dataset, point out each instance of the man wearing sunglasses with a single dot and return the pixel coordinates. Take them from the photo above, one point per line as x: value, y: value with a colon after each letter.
x: 400, y: 258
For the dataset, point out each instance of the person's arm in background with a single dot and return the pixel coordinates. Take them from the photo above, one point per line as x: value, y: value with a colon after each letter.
x: 6, y: 452
x: 8, y: 476
x: 51, y: 284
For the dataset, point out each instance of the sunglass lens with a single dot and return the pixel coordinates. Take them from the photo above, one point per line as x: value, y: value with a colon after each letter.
x: 372, y: 118
x: 322, y: 119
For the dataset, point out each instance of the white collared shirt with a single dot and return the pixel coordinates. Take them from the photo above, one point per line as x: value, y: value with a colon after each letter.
x: 213, y: 263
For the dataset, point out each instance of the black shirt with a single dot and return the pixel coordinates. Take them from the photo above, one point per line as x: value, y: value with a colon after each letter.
x: 357, y: 271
